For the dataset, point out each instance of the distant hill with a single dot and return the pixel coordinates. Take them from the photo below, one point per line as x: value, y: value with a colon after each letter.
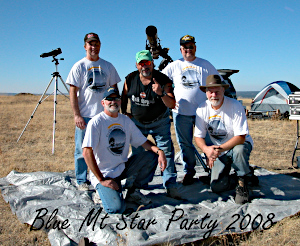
x: 246, y: 94
x: 242, y: 94
x: 7, y: 94
x: 18, y: 94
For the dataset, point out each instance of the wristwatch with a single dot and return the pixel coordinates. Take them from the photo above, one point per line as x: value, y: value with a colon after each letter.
x: 163, y: 94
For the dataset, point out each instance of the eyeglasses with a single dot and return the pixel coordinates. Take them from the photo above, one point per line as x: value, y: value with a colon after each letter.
x: 112, y: 99
x: 191, y: 47
x: 147, y: 63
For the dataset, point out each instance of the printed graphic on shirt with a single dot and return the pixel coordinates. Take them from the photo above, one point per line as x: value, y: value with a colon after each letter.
x: 190, y: 77
x: 96, y: 80
x: 216, y: 129
x: 116, y: 139
x: 141, y: 101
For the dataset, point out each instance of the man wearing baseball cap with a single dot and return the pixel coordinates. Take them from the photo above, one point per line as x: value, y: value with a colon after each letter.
x: 222, y: 133
x: 187, y: 74
x: 105, y: 149
x: 88, y: 79
x: 151, y: 95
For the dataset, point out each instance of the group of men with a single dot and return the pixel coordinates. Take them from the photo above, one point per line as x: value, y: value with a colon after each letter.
x: 192, y: 88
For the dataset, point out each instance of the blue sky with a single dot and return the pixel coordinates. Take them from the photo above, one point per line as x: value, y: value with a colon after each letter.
x: 259, y: 37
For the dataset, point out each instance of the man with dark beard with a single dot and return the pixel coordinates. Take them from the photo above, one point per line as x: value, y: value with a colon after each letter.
x: 151, y: 95
x: 221, y: 132
x: 105, y: 150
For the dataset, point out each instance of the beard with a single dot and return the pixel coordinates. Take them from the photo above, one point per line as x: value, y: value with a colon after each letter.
x: 112, y: 108
x: 145, y: 72
x: 215, y: 101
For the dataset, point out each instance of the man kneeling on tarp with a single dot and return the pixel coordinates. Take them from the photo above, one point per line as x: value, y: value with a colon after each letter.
x: 105, y: 150
x: 221, y: 132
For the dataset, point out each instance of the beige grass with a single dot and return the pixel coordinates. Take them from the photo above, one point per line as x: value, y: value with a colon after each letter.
x: 274, y: 143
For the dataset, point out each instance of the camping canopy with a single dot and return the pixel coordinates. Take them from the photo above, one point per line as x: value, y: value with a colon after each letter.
x: 273, y: 96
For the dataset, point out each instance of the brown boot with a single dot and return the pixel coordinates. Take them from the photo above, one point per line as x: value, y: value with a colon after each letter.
x: 242, y: 193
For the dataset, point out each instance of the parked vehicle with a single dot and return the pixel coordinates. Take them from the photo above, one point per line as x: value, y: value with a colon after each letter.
x: 226, y: 73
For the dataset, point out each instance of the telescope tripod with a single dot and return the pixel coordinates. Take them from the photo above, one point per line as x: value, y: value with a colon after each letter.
x: 55, y: 77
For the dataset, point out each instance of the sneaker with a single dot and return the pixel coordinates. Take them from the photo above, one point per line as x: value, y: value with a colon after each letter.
x: 96, y: 198
x: 242, y: 193
x: 188, y: 179
x: 138, y: 198
x: 83, y: 187
x: 174, y: 193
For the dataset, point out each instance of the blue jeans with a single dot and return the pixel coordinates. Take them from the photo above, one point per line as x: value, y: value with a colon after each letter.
x: 160, y: 131
x: 139, y: 171
x: 80, y: 165
x: 184, y: 126
x: 238, y: 159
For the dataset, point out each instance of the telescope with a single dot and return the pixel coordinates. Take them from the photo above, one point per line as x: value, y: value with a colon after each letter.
x: 55, y: 77
x: 153, y: 45
x: 51, y: 53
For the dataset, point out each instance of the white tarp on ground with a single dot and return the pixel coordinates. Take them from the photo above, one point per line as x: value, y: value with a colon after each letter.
x: 46, y: 198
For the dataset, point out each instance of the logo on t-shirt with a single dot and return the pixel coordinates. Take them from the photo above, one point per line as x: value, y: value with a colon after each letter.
x: 216, y: 129
x: 190, y: 78
x: 96, y: 80
x: 142, y: 94
x: 116, y: 139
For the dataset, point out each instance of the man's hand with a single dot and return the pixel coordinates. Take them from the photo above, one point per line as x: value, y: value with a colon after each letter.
x: 79, y: 122
x: 110, y: 183
x: 210, y: 163
x: 157, y: 88
x: 212, y: 153
x: 162, y: 161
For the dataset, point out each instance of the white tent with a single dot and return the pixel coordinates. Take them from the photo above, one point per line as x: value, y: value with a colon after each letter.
x: 273, y: 96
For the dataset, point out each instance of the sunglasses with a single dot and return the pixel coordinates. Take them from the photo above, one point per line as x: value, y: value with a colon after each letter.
x: 112, y: 99
x: 191, y: 47
x: 147, y: 63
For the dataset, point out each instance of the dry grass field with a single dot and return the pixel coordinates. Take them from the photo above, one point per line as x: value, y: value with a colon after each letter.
x: 274, y: 143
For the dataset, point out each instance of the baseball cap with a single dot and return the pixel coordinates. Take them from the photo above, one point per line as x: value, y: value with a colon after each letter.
x: 91, y: 37
x: 187, y: 39
x: 213, y: 81
x: 110, y: 91
x: 143, y: 55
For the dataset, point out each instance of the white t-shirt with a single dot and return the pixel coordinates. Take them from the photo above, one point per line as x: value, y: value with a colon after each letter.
x: 187, y: 77
x: 92, y: 78
x: 222, y: 124
x: 110, y: 139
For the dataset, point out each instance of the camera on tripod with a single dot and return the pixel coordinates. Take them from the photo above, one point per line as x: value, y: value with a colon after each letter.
x: 52, y: 53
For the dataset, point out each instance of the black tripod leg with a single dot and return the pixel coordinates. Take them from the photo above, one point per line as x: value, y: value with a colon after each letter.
x: 199, y: 158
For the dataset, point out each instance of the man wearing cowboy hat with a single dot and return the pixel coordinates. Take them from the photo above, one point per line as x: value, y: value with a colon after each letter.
x: 221, y: 132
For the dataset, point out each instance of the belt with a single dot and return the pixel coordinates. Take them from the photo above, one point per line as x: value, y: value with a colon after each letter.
x: 156, y: 119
